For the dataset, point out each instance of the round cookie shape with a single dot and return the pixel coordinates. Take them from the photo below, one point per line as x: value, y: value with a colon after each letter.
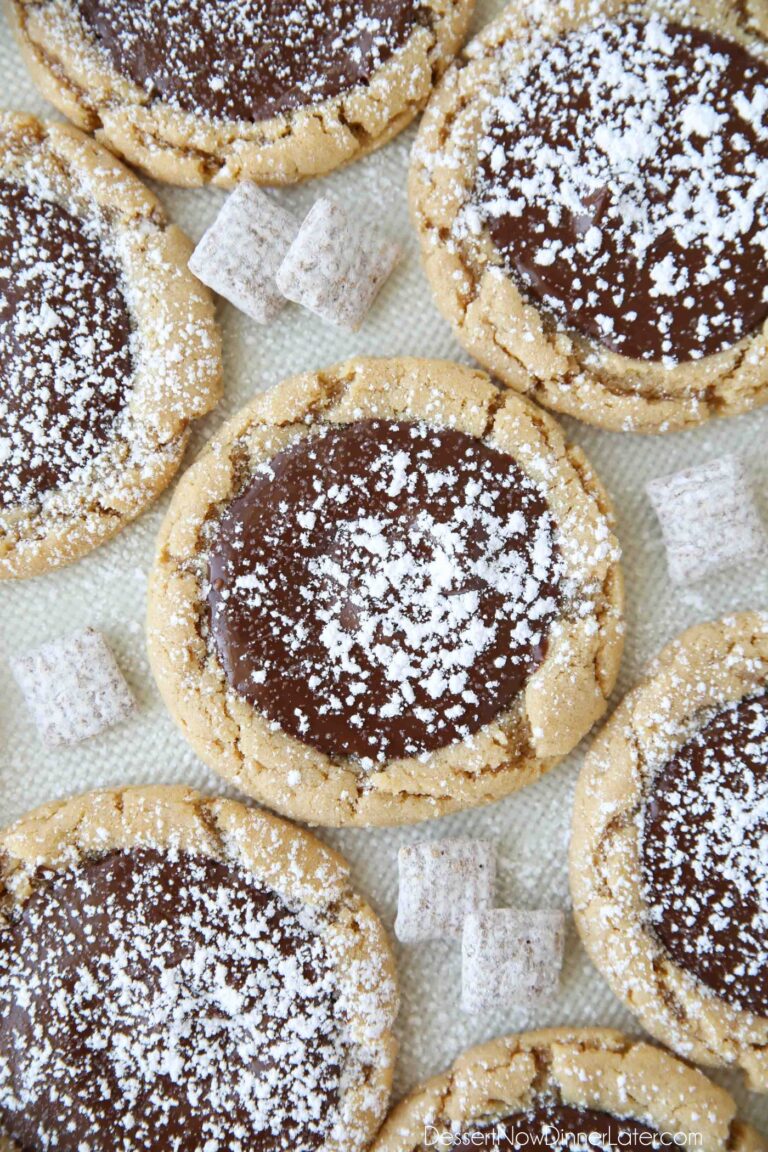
x: 668, y: 866
x: 108, y: 346
x: 584, y: 187
x: 386, y: 591
x: 183, y: 964
x: 208, y: 91
x: 564, y: 1088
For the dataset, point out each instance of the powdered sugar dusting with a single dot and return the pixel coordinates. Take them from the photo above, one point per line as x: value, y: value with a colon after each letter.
x: 624, y: 179
x: 171, y: 994
x: 384, y: 588
x: 250, y: 60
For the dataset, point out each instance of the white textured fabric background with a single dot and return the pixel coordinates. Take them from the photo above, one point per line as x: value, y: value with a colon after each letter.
x: 107, y: 591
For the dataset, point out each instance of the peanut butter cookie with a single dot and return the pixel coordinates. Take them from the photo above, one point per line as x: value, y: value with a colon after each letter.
x: 386, y: 591
x: 108, y: 346
x: 567, y: 1088
x: 194, y: 974
x: 194, y: 91
x: 589, y: 189
x: 669, y: 870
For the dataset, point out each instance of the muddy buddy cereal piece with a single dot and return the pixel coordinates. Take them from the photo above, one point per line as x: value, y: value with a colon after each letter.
x: 708, y: 517
x: 73, y: 688
x: 511, y: 957
x: 336, y: 267
x: 440, y: 884
x: 242, y: 250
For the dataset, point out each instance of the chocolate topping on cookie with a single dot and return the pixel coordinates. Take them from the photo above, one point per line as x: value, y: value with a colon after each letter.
x: 382, y: 589
x: 250, y: 60
x: 624, y: 182
x: 150, y: 1000
x: 549, y: 1124
x: 65, y: 344
x: 704, y: 858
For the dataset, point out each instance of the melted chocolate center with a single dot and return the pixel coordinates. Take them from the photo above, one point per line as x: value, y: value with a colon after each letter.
x: 252, y: 59
x: 65, y: 345
x: 160, y: 1003
x: 704, y: 858
x: 622, y: 180
x: 382, y: 589
x: 553, y: 1125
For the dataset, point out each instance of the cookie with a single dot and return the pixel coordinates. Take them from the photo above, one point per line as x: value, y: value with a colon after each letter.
x: 585, y: 188
x: 669, y: 870
x: 184, y: 965
x: 386, y: 591
x: 567, y: 1088
x: 198, y: 91
x: 108, y: 346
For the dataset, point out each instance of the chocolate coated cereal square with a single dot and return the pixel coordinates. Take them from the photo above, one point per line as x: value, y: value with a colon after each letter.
x: 336, y: 266
x: 511, y: 958
x: 73, y: 688
x: 441, y: 882
x: 241, y: 251
x: 708, y: 518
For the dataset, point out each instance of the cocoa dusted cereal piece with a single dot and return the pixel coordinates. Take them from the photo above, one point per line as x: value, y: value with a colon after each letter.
x: 708, y: 517
x: 336, y: 266
x: 511, y: 957
x: 73, y: 688
x: 440, y: 884
x: 241, y: 251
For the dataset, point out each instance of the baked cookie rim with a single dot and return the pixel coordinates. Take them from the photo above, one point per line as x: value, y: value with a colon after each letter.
x: 499, y: 1076
x: 330, y: 791
x: 181, y: 148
